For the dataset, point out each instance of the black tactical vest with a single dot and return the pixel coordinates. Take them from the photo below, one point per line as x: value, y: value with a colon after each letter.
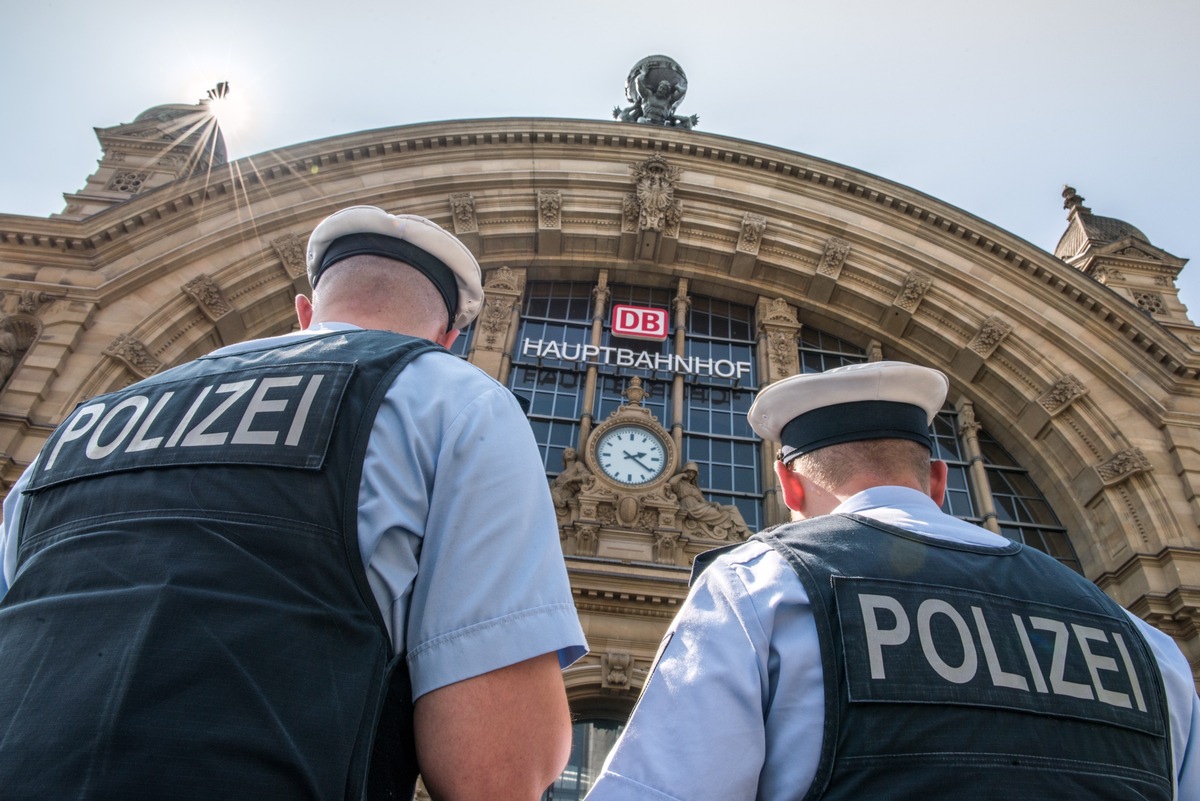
x: 190, y: 617
x: 954, y: 671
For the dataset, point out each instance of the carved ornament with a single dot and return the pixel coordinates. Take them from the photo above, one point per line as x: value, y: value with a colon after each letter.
x: 916, y: 284
x: 1122, y: 465
x: 549, y: 208
x: 30, y: 300
x: 753, y: 227
x: 833, y: 257
x: 1065, y: 391
x: 1150, y: 302
x: 779, y: 310
x: 133, y: 352
x: 290, y: 249
x: 207, y: 295
x: 462, y: 205
x: 615, y: 671
x: 503, y: 279
x: 990, y: 335
x: 655, y: 195
x: 587, y: 538
x: 495, y: 318
x: 781, y: 350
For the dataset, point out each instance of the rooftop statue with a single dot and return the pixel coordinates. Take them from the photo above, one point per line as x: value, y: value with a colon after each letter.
x: 655, y: 86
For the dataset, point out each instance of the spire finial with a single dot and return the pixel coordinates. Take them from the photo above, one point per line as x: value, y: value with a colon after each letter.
x: 1073, y: 201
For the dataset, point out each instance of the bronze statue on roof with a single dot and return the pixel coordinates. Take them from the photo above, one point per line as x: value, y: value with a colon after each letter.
x: 655, y: 86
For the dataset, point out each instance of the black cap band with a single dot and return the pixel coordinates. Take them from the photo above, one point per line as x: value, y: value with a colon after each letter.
x: 848, y: 422
x: 430, y: 266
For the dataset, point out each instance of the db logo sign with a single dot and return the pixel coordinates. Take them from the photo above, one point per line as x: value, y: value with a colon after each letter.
x: 639, y: 322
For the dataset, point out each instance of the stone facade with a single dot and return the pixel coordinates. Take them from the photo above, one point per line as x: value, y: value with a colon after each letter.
x: 1092, y: 384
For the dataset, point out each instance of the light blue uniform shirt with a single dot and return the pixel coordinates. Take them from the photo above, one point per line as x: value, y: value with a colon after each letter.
x: 734, y: 708
x: 467, y: 569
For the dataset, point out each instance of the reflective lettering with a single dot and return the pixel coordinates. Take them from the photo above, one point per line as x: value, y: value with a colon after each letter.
x: 1129, y: 671
x: 198, y: 436
x: 877, y: 637
x: 1000, y: 678
x: 310, y: 392
x: 94, y: 449
x: 139, y: 441
x: 187, y: 418
x: 964, y: 672
x: 1096, y: 663
x: 80, y: 424
x: 1035, y: 670
x: 260, y: 405
x: 1058, y: 662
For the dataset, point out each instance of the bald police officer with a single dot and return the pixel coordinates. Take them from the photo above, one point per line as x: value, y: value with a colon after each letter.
x: 879, y: 648
x: 282, y: 571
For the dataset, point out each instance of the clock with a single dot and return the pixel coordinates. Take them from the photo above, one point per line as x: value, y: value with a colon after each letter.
x: 631, y: 455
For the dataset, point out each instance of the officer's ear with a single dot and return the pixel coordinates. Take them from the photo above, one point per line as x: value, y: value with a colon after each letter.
x: 304, y: 312
x: 792, y: 486
x: 447, y: 339
x: 938, y: 473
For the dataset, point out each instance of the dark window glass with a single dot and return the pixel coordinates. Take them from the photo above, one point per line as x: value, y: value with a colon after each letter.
x: 717, y: 395
x: 462, y: 344
x: 550, y: 378
x: 591, y: 740
x: 609, y: 397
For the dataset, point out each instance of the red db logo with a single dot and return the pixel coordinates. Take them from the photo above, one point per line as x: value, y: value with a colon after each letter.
x: 639, y: 322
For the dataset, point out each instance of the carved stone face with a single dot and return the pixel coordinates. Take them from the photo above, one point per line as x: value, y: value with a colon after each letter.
x: 663, y: 89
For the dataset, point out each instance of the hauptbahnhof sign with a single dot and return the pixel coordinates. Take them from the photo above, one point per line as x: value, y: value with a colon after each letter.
x: 624, y: 357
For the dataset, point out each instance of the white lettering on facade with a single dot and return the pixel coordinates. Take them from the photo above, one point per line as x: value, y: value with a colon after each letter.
x: 642, y: 360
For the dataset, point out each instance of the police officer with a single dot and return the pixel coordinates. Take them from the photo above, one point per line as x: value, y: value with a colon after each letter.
x: 293, y: 568
x: 878, y: 648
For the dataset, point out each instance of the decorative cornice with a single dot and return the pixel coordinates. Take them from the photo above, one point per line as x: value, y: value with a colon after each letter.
x: 297, y: 162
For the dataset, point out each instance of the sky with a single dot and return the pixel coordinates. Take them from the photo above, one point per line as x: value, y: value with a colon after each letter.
x: 991, y: 107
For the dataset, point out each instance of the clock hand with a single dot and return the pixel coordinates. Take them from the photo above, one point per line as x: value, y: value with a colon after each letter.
x: 633, y: 457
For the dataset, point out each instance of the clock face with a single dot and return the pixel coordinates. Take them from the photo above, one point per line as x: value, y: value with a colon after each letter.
x: 631, y: 455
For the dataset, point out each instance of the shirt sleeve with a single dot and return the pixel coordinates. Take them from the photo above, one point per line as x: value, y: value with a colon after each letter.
x: 458, y: 529
x: 1183, y: 707
x: 698, y: 731
x: 10, y: 532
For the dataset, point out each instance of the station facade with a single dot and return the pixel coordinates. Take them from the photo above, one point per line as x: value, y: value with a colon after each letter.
x: 645, y: 282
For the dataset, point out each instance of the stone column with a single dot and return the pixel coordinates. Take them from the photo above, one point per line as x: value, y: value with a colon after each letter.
x: 778, y: 330
x: 968, y: 430
x: 682, y: 304
x: 600, y: 296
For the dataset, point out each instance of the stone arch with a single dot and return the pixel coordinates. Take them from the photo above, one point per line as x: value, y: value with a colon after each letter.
x: 854, y: 254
